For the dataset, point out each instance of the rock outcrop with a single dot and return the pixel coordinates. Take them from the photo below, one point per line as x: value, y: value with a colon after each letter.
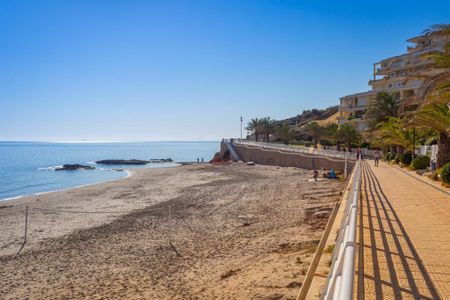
x: 73, y: 167
x: 132, y: 161
x: 160, y: 160
x: 122, y: 162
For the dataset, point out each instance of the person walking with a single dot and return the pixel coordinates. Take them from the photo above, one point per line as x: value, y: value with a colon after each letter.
x: 376, y: 157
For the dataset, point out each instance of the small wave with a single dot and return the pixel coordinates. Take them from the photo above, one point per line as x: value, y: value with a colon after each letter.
x: 12, y: 198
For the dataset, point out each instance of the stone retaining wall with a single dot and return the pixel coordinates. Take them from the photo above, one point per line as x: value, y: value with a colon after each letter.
x: 290, y: 159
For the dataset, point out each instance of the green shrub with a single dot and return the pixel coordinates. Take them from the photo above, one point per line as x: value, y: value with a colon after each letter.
x: 388, y: 156
x: 434, y: 176
x: 445, y: 173
x: 397, y: 159
x: 406, y: 158
x: 420, y: 162
x: 329, y: 249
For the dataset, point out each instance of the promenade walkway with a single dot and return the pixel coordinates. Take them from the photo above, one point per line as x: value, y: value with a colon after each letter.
x: 403, y: 237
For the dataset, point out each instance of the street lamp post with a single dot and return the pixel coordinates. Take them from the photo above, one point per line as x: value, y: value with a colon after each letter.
x: 241, y: 127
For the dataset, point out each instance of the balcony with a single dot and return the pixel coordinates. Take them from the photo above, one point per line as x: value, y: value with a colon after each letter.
x: 350, y: 108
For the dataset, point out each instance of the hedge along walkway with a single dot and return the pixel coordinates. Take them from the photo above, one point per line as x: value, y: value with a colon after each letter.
x: 403, y: 237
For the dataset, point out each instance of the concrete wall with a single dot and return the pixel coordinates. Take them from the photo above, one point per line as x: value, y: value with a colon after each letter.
x: 289, y: 159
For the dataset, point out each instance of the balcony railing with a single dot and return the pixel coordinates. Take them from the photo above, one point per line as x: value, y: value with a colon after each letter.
x: 352, y: 107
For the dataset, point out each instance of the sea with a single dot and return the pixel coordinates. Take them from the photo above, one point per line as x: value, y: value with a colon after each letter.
x: 28, y: 168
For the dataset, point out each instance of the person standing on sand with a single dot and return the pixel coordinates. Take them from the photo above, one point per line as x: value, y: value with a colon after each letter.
x: 376, y: 156
x: 316, y: 174
x: 358, y: 153
x: 198, y: 160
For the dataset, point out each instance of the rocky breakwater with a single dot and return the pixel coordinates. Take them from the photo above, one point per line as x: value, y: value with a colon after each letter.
x: 132, y: 161
x: 73, y: 167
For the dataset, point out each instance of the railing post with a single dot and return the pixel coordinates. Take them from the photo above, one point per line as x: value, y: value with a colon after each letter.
x: 345, y: 167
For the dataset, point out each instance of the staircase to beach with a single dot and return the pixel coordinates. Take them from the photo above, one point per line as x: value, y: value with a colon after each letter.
x: 233, y: 151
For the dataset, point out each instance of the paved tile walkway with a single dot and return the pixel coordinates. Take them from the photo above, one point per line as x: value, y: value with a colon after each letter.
x: 403, y: 237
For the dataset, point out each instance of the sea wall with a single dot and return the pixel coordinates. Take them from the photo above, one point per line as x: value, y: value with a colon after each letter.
x: 289, y: 159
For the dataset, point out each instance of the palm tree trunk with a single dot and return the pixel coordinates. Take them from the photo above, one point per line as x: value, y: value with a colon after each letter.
x: 443, y: 156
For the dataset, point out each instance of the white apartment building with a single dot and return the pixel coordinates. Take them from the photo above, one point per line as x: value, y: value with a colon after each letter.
x: 404, y: 73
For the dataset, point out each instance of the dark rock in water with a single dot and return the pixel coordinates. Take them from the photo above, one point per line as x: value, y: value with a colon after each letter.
x: 160, y: 160
x: 73, y: 167
x: 132, y: 161
x: 122, y: 162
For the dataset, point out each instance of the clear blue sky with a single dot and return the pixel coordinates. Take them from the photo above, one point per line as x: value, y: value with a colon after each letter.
x: 153, y: 70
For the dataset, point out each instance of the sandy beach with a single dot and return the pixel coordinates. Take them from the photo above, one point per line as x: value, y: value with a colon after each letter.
x: 189, y: 232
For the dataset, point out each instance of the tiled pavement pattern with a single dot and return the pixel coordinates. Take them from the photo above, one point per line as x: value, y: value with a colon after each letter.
x: 403, y: 237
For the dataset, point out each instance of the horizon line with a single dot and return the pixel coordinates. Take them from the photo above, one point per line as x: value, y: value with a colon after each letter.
x: 113, y: 141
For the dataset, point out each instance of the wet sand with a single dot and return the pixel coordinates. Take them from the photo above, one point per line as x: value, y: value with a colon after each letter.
x: 190, y: 232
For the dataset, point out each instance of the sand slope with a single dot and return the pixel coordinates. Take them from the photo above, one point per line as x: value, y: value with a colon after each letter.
x: 191, y: 232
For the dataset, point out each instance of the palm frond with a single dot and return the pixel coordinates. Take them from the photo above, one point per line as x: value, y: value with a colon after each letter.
x: 433, y: 116
x: 441, y: 28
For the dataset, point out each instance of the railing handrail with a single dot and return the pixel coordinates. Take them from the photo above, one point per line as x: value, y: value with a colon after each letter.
x: 300, y: 149
x: 340, y: 279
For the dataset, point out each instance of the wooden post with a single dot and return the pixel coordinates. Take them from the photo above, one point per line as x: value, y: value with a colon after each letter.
x: 26, y: 230
x: 26, y: 225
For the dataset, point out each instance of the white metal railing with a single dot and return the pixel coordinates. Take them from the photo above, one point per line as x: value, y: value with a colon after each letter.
x: 340, y: 279
x: 294, y: 148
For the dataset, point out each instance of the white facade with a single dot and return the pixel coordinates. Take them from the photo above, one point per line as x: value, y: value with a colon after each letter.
x: 404, y: 73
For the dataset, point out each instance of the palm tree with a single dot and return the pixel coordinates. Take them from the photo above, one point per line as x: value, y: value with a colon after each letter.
x: 331, y: 134
x: 349, y: 135
x: 315, y: 131
x: 393, y: 133
x: 267, y: 128
x: 441, y: 28
x: 284, y: 132
x: 254, y: 127
x: 385, y: 105
x: 435, y: 113
x: 436, y: 116
x: 438, y: 87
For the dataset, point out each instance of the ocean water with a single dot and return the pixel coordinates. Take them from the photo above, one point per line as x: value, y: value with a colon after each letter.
x: 27, y: 167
